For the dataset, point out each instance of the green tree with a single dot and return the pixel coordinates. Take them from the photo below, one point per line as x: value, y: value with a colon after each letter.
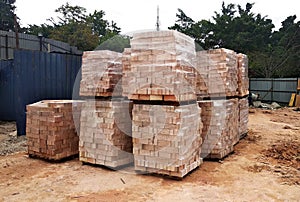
x: 7, y: 15
x: 102, y: 28
x: 76, y: 34
x: 283, y: 54
x: 43, y: 29
x: 271, y: 53
x: 183, y: 23
x: 76, y: 27
x: 116, y: 43
x: 69, y: 14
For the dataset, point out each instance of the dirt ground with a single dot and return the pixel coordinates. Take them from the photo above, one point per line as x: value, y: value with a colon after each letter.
x: 265, y: 166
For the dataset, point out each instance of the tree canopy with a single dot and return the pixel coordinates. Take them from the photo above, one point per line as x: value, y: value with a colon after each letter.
x: 271, y: 53
x: 116, y: 43
x: 74, y: 26
x: 7, y: 15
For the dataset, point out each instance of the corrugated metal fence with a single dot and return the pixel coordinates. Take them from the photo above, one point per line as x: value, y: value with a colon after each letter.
x: 33, y: 76
x: 8, y: 44
x: 278, y: 90
x: 7, y: 99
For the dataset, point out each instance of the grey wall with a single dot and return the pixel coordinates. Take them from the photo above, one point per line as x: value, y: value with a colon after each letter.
x: 31, y: 42
x: 278, y: 90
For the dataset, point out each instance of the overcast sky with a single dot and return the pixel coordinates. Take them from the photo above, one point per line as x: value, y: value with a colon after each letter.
x: 133, y: 15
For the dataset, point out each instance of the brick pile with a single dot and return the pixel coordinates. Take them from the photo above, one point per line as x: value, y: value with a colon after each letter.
x: 166, y: 139
x: 159, y: 67
x: 104, y: 134
x: 51, y: 128
x: 127, y: 80
x: 220, y: 127
x: 219, y: 73
x: 160, y: 78
x: 243, y: 80
x: 243, y: 116
x: 101, y: 72
x: 222, y: 85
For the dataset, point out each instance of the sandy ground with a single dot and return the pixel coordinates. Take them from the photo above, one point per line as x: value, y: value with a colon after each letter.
x: 264, y: 167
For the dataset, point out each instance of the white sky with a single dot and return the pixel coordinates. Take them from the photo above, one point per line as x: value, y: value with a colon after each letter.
x: 133, y: 15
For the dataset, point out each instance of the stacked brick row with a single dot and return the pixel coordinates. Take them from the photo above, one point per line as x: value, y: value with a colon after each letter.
x: 166, y: 139
x: 219, y: 73
x: 243, y: 80
x: 101, y: 72
x: 220, y: 127
x: 160, y: 78
x: 104, y: 138
x: 51, y: 128
x: 159, y: 67
x: 105, y: 135
x: 222, y: 88
x: 243, y: 90
x: 243, y: 116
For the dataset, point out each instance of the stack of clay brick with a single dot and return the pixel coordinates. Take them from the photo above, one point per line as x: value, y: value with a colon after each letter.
x: 243, y: 80
x: 159, y: 67
x: 222, y: 87
x: 243, y: 116
x: 243, y: 90
x: 105, y: 135
x: 218, y: 73
x: 220, y: 127
x: 51, y: 128
x: 158, y: 75
x: 166, y: 139
x: 101, y: 72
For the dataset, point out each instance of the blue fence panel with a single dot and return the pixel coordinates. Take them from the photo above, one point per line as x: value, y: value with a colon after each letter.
x: 41, y: 76
x: 7, y: 101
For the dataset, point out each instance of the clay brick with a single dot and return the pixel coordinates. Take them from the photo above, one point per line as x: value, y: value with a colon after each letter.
x: 217, y: 73
x: 220, y: 131
x: 159, y: 64
x: 50, y: 134
x: 243, y: 116
x: 106, y: 125
x: 101, y: 72
x: 168, y: 147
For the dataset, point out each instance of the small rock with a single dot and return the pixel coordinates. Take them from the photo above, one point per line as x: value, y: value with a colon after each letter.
x: 251, y: 111
x: 287, y: 127
x: 275, y: 105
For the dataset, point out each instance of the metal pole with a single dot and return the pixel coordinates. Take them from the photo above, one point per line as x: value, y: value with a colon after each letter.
x: 40, y: 35
x: 272, y: 88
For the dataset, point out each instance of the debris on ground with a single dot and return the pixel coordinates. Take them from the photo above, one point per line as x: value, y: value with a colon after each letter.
x: 285, y: 153
x: 9, y: 141
x: 283, y: 159
x: 264, y: 161
x: 272, y: 106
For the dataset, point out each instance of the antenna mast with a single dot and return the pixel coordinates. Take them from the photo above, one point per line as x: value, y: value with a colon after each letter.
x: 157, y: 20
